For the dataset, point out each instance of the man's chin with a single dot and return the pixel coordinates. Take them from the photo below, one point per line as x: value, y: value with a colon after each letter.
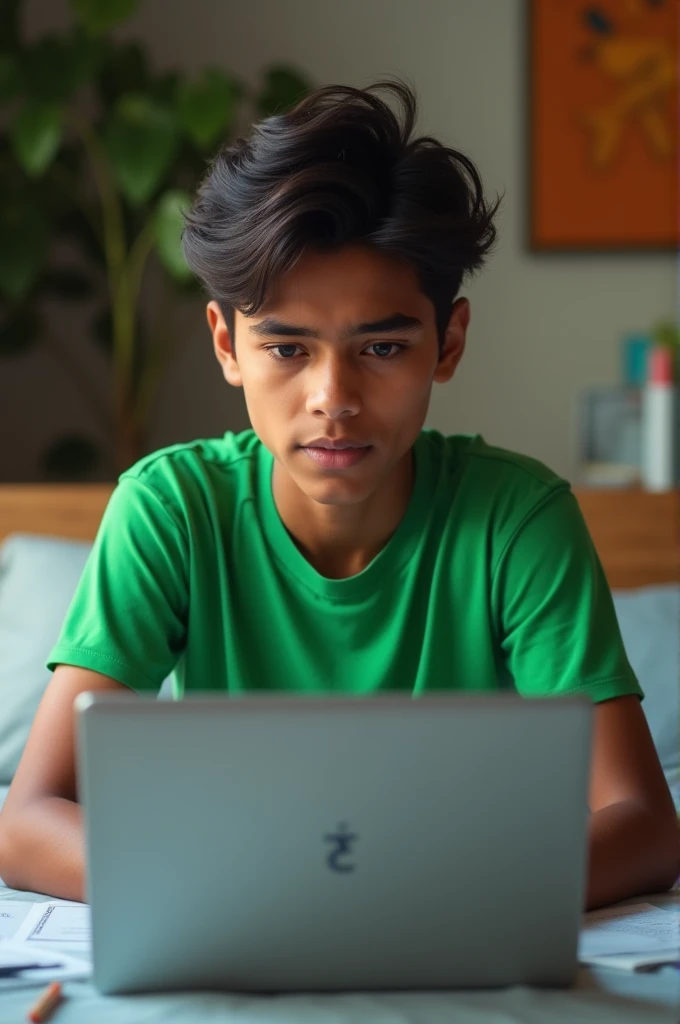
x: 337, y: 500
x: 340, y: 491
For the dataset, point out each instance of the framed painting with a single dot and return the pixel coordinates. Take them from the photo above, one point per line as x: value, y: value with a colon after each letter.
x: 603, y: 124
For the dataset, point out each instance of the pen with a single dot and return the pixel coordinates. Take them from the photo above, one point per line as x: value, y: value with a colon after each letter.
x: 16, y: 970
x: 41, y: 1010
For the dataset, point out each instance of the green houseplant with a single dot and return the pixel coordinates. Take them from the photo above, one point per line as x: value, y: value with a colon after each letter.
x: 667, y: 334
x: 98, y: 150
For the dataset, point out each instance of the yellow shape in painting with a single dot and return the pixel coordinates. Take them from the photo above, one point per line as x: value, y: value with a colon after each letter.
x: 644, y: 74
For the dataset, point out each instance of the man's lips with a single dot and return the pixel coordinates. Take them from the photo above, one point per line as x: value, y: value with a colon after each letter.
x: 336, y: 458
x: 336, y: 443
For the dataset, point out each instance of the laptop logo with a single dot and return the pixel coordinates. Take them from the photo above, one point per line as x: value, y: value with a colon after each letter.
x: 339, y: 858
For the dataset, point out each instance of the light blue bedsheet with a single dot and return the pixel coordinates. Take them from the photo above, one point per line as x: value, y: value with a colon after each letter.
x: 589, y: 1004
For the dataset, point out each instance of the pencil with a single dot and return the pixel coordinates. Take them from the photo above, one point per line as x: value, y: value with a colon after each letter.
x: 41, y: 1010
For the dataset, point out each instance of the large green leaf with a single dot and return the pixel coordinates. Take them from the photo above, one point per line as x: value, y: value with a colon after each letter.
x: 9, y: 22
x: 168, y: 227
x: 57, y: 66
x: 124, y: 69
x: 23, y: 248
x: 206, y: 108
x: 87, y: 56
x: 282, y: 89
x: 46, y: 68
x: 99, y: 16
x: 666, y: 333
x: 164, y: 87
x: 141, y: 140
x: 36, y: 132
x: 10, y: 80
x: 19, y: 330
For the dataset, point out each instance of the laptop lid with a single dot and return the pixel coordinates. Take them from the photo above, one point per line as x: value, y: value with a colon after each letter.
x: 294, y: 844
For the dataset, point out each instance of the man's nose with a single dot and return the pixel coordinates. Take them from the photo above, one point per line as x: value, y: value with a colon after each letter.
x: 333, y: 390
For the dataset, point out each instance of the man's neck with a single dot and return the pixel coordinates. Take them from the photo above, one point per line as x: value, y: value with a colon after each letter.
x: 339, y: 541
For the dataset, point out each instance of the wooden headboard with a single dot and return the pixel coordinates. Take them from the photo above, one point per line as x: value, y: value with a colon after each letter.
x: 62, y: 510
x: 637, y: 535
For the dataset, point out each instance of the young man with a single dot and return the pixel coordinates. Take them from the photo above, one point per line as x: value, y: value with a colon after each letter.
x: 337, y: 546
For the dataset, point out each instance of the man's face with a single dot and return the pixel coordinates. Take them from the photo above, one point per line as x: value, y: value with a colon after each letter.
x: 344, y: 350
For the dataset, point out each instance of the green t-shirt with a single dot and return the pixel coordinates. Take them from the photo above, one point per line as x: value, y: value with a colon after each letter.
x: 490, y: 581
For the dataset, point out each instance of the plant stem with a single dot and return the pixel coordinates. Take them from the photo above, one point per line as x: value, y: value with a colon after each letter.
x: 112, y: 213
x: 122, y: 297
x: 139, y: 253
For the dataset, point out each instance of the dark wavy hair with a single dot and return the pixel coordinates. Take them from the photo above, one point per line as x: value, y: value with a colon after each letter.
x: 339, y: 168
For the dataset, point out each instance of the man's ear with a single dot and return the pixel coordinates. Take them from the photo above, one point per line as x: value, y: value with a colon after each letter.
x: 222, y: 344
x: 454, y: 341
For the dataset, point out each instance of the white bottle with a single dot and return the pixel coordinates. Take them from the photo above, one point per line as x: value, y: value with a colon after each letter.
x: 658, y: 468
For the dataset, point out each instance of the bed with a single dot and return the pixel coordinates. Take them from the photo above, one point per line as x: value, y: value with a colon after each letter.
x: 45, y: 533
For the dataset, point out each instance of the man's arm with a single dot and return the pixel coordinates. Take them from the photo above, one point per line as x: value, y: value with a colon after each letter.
x: 634, y: 841
x: 41, y: 830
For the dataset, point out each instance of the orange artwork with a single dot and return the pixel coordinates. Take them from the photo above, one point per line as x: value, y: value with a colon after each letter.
x: 603, y: 124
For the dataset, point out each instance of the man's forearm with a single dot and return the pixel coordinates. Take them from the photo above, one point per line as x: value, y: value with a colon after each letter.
x: 630, y: 852
x: 42, y: 849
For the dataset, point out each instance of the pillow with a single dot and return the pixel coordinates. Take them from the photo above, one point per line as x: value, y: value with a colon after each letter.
x: 38, y: 577
x: 649, y: 618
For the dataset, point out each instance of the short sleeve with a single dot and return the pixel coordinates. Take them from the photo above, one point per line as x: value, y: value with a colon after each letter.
x: 554, y: 611
x: 127, y: 618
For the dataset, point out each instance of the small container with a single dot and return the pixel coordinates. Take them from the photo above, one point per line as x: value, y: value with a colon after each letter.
x: 635, y: 356
x: 659, y: 447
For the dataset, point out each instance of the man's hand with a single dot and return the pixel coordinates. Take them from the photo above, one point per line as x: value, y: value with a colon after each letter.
x: 634, y: 842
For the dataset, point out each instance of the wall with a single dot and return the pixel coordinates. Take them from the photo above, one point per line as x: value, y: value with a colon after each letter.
x: 542, y: 328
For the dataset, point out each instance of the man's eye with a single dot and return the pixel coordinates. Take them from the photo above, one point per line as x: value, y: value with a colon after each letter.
x: 380, y: 347
x: 284, y: 352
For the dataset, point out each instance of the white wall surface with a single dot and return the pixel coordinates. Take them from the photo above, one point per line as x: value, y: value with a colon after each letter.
x: 543, y: 327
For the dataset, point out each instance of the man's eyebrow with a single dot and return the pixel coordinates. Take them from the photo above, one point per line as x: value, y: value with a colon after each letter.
x: 270, y: 327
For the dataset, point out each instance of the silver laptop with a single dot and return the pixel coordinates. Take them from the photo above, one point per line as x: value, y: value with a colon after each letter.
x: 319, y: 844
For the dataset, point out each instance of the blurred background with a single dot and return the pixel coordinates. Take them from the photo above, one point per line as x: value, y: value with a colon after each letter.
x: 110, y: 109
